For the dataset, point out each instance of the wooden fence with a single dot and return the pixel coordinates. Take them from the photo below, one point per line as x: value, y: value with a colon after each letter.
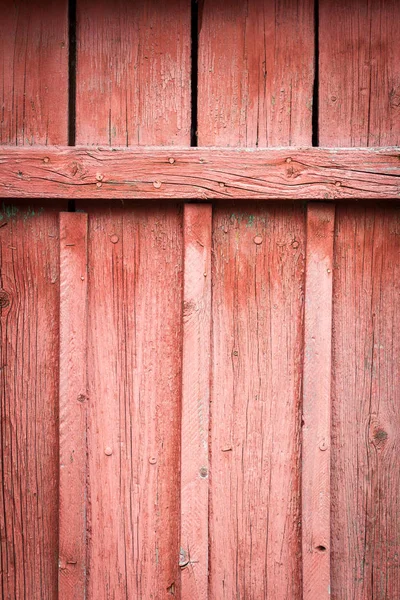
x: 200, y: 356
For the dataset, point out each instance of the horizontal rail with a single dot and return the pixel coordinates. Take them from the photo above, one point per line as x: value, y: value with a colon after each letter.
x: 200, y: 173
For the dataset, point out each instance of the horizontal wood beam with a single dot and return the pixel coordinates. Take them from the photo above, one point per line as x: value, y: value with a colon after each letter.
x: 200, y: 173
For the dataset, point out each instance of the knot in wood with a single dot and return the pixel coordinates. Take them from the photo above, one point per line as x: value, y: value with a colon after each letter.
x: 4, y: 299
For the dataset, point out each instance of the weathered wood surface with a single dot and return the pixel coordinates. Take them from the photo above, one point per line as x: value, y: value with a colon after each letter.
x: 258, y: 278
x: 366, y: 401
x: 33, y: 72
x: 256, y: 71
x: 73, y: 406
x: 133, y: 72
x: 134, y: 374
x: 309, y: 173
x: 29, y: 302
x: 359, y: 73
x: 193, y: 559
x: 316, y: 418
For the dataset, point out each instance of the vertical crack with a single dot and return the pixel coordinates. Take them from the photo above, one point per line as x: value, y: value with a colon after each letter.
x: 194, y: 70
x: 72, y: 72
x: 315, y: 103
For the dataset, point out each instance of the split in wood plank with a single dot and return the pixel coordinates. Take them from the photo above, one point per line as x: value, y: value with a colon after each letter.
x: 198, y: 173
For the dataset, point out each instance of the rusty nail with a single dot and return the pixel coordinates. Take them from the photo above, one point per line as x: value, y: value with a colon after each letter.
x: 46, y: 159
x: 203, y: 472
x: 152, y: 460
x: 258, y: 239
x: 108, y: 451
x: 171, y: 160
x: 114, y: 239
x: 337, y: 183
x: 99, y: 184
x: 221, y: 184
x: 295, y: 244
x: 235, y: 353
x: 288, y: 160
x: 157, y: 184
x: 99, y: 177
x: 323, y: 446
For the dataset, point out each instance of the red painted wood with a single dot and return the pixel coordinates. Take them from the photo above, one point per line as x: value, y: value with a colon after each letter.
x: 33, y: 72
x: 366, y: 400
x: 29, y: 324
x: 258, y: 278
x: 273, y: 174
x: 133, y: 72
x: 134, y: 374
x: 73, y: 406
x: 256, y: 62
x: 316, y: 447
x: 195, y: 401
x: 359, y: 72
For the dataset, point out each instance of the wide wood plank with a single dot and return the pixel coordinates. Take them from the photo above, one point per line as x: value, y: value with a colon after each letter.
x: 134, y: 374
x: 193, y: 558
x: 73, y: 406
x: 33, y: 72
x: 256, y: 65
x: 258, y: 278
x: 316, y: 453
x: 359, y: 73
x: 29, y: 373
x: 133, y: 72
x: 154, y: 173
x: 366, y: 401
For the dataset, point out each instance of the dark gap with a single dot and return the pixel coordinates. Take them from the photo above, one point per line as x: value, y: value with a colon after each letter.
x: 72, y: 72
x: 71, y: 206
x: 194, y: 70
x: 315, y: 103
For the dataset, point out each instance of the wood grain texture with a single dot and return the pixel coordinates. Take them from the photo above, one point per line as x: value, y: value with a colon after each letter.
x: 29, y: 367
x: 256, y: 65
x: 316, y: 446
x: 33, y: 72
x: 73, y: 406
x: 366, y: 400
x: 258, y: 277
x: 197, y: 225
x: 133, y: 72
x: 198, y: 173
x: 359, y: 73
x: 134, y: 373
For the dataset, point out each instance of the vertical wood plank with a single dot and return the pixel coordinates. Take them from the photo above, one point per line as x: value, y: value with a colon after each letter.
x: 316, y: 446
x: 73, y: 406
x: 257, y: 336
x: 366, y: 401
x: 256, y: 65
x: 134, y: 374
x: 195, y: 401
x: 29, y: 371
x: 33, y: 72
x: 359, y: 73
x: 133, y: 72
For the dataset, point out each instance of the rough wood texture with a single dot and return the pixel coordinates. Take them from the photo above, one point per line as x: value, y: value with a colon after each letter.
x: 29, y: 296
x: 195, y: 401
x: 366, y: 400
x: 73, y: 406
x: 256, y: 64
x: 316, y: 447
x: 133, y: 72
x: 33, y: 72
x: 359, y: 71
x: 258, y: 273
x: 134, y: 374
x: 201, y: 173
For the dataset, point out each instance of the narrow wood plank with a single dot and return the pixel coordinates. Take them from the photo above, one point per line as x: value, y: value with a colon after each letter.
x: 256, y: 64
x: 274, y: 174
x: 134, y: 374
x: 73, y: 406
x: 316, y: 448
x: 33, y: 72
x: 258, y: 279
x: 195, y: 401
x: 133, y: 72
x: 359, y: 73
x: 29, y: 371
x: 366, y: 401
